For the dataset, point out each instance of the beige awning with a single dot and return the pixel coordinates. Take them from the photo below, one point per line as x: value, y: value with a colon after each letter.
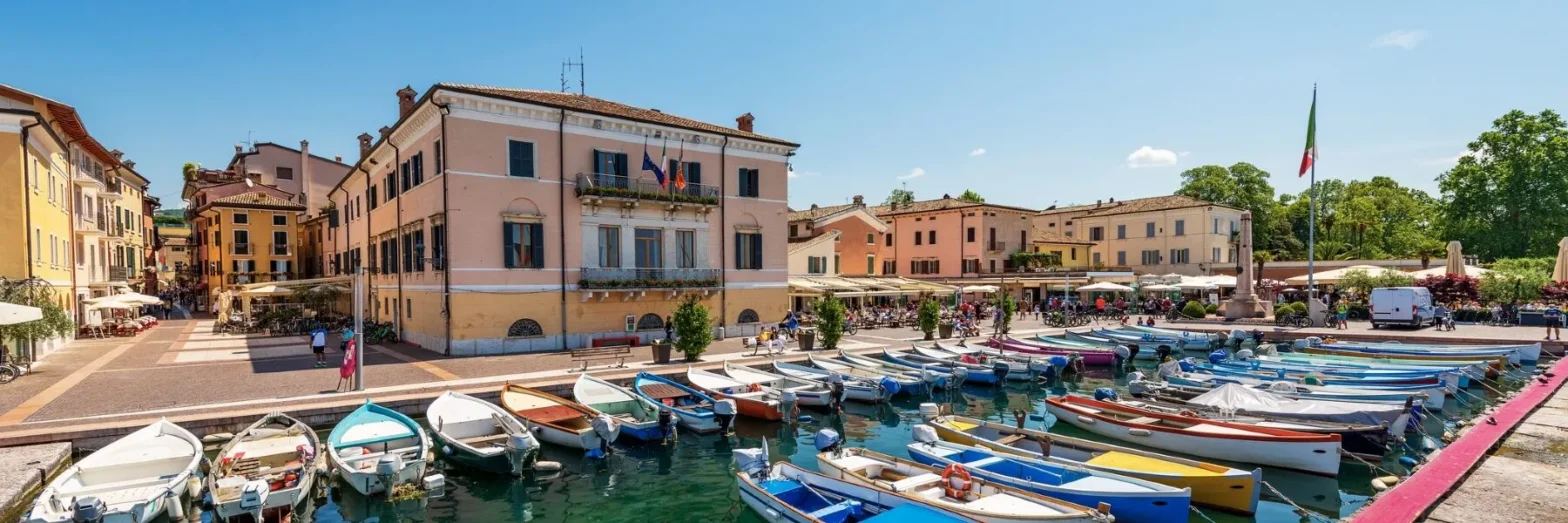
x: 1335, y: 275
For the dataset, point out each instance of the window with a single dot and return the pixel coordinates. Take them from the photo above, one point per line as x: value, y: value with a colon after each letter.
x: 280, y: 243
x: 520, y: 159
x: 871, y: 238
x: 931, y: 237
x: 1121, y: 232
x: 373, y: 199
x: 889, y: 239
x: 611, y: 163
x: 835, y: 263
x: 1151, y: 257
x: 692, y: 171
x: 609, y: 246
x: 1181, y: 227
x: 417, y: 165
x: 917, y: 238
x: 1216, y: 226
x: 283, y: 266
x: 1148, y: 230
x: 749, y: 179
x: 794, y: 230
x: 1121, y: 258
x: 419, y: 250
x: 686, y: 249
x: 241, y: 242
x: 280, y: 220
x: 1096, y: 257
x: 392, y: 255
x: 871, y: 264
x: 439, y: 166
x: 650, y: 248
x: 1179, y: 256
x: 524, y: 243
x: 889, y: 267
x: 969, y: 235
x: 285, y: 173
x: 1073, y: 252
x: 816, y: 264
x: 408, y: 307
x: 1096, y: 234
x: 748, y: 251
x: 1023, y: 240
x: 239, y: 217
x: 393, y: 179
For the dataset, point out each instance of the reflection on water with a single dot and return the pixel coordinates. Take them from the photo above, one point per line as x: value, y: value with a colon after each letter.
x: 692, y: 480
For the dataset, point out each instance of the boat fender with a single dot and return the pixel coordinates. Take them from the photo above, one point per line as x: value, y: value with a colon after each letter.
x: 176, y: 509
x: 827, y: 440
x: 1218, y: 356
x: 925, y: 434
x: 1188, y: 413
x: 1138, y: 432
x: 1086, y: 420
x: 1105, y: 393
x: 1379, y: 485
x: 755, y: 387
x: 446, y: 450
x: 1407, y: 461
x: 928, y: 411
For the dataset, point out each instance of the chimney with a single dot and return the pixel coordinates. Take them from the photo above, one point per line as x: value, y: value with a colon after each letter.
x: 385, y: 130
x: 1098, y: 202
x: 364, y: 145
x: 813, y: 206
x: 405, y: 101
x: 239, y: 148
x: 117, y: 154
x: 130, y: 164
x: 860, y: 201
x: 743, y: 122
x: 947, y: 197
x: 304, y: 175
x: 1113, y: 200
x: 338, y: 159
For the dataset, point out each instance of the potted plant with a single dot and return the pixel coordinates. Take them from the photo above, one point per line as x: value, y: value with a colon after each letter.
x: 693, y: 328
x: 830, y: 321
x: 930, y: 313
x: 661, y: 351
x: 945, y: 328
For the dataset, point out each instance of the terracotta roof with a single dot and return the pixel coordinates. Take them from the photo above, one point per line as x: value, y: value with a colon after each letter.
x: 940, y: 204
x: 1157, y: 203
x: 1044, y: 236
x: 257, y: 198
x: 818, y: 212
x: 69, y: 121
x: 1069, y: 208
x: 589, y: 104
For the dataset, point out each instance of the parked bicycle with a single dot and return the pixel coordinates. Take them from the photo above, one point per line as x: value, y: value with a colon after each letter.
x: 1294, y: 319
x: 11, y: 369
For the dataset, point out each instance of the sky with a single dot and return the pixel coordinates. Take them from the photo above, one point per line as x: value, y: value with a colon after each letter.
x: 1027, y: 103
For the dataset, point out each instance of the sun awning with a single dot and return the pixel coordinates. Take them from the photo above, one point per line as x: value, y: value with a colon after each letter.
x: 1335, y: 275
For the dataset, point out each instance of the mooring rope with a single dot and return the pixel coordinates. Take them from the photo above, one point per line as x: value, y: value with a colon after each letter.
x: 1299, y: 511
x: 1201, y: 514
x: 1343, y: 452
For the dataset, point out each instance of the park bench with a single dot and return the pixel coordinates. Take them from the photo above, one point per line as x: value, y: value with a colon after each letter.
x: 617, y: 352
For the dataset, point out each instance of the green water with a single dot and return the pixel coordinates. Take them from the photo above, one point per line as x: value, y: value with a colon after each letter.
x: 693, y: 480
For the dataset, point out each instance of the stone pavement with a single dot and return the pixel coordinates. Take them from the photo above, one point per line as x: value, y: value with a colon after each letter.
x: 23, y: 471
x: 1524, y: 480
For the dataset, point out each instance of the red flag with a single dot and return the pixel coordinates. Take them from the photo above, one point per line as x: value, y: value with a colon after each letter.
x: 346, y: 370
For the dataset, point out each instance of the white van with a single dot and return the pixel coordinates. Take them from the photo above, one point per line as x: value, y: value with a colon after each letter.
x: 1402, y: 306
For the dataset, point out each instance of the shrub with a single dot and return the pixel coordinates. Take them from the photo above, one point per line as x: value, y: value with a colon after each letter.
x: 929, y: 313
x: 1009, y: 308
x: 1449, y: 288
x: 1193, y: 310
x: 1212, y: 309
x: 830, y: 316
x: 693, y: 328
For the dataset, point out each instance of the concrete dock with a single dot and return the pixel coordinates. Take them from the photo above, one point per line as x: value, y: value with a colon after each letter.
x: 24, y: 471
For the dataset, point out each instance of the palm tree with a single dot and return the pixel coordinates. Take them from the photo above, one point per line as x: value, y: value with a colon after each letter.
x: 1261, y: 258
x: 1429, y: 249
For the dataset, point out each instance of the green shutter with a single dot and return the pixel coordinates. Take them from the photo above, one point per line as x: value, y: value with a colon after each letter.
x: 620, y: 164
x: 507, y: 240
x: 739, y: 253
x: 536, y: 233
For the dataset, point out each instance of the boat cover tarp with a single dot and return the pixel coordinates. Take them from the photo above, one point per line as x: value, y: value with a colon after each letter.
x: 1239, y: 398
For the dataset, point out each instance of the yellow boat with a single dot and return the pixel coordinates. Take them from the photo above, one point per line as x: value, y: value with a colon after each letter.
x: 1215, y: 486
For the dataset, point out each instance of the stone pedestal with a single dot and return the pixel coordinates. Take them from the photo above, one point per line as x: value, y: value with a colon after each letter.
x: 1244, y: 303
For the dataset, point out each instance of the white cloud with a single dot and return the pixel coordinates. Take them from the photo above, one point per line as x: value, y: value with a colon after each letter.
x: 1403, y: 39
x: 913, y: 173
x: 1451, y: 160
x: 977, y: 152
x: 801, y: 174
x: 1150, y: 157
x: 1183, y: 154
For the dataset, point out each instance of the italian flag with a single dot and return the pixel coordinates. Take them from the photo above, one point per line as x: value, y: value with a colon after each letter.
x: 1311, y: 152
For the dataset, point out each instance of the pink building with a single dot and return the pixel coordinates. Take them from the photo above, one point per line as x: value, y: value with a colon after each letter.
x: 951, y: 238
x: 499, y: 220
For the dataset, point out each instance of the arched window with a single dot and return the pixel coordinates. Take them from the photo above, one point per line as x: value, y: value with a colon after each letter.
x: 747, y: 316
x: 524, y: 328
x: 650, y: 322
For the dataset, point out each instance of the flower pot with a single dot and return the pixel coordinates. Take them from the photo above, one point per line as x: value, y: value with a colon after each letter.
x: 928, y: 335
x: 661, y: 352
x: 808, y: 339
x: 946, y: 330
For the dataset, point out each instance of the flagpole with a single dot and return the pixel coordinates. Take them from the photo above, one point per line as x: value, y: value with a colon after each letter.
x: 1312, y: 207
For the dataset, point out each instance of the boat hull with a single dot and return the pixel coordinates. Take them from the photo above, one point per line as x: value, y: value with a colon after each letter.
x: 1089, y: 356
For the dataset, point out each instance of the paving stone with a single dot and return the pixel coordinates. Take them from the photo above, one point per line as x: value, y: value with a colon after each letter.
x: 22, y: 469
x: 1508, y: 490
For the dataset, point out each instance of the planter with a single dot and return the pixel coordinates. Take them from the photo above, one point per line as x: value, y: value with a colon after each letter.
x: 661, y: 352
x: 808, y: 339
x: 946, y: 330
x: 928, y: 335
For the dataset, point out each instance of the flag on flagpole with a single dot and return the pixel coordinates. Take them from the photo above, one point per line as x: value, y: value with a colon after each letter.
x: 680, y: 168
x: 648, y: 165
x: 1311, y: 153
x: 664, y: 159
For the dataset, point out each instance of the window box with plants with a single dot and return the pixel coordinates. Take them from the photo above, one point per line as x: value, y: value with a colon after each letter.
x: 634, y: 194
x: 647, y: 284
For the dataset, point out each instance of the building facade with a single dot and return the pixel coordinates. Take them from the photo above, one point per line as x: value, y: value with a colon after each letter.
x: 496, y: 220
x: 173, y: 257
x: 249, y: 237
x: 924, y: 234
x: 860, y: 245
x: 1159, y: 235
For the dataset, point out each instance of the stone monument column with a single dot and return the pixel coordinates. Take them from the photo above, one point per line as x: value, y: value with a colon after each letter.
x: 1244, y: 303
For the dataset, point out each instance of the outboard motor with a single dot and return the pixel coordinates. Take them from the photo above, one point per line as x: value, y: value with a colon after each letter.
x: 959, y: 375
x: 1001, y: 369
x: 1170, y: 368
x: 787, y: 401
x: 925, y: 434
x: 752, y: 462
x: 828, y: 440
x: 607, y: 429
x: 889, y: 385
x: 1218, y: 356
x: 1244, y: 355
x: 929, y: 411
x: 88, y: 510
x: 1137, y: 386
x: 522, y: 452
x: 387, y: 469
x: 1105, y: 394
x: 1161, y: 352
x: 724, y: 412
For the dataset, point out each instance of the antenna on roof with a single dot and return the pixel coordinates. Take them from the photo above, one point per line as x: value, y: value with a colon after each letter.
x: 568, y: 65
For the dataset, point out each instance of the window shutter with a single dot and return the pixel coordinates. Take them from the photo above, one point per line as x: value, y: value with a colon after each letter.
x: 620, y: 164
x: 756, y: 251
x: 742, y: 179
x: 508, y: 235
x: 695, y: 176
x: 536, y: 231
x: 739, y: 253
x: 522, y: 159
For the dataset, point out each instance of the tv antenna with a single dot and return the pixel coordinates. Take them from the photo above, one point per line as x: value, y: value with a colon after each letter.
x: 567, y: 66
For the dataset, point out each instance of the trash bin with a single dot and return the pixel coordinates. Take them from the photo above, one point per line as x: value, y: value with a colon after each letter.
x: 661, y: 351
x: 808, y: 339
x: 945, y: 329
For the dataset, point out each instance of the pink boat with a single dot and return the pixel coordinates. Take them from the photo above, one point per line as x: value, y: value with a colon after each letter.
x: 1090, y: 356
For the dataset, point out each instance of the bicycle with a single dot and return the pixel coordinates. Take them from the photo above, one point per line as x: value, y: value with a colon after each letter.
x: 1293, y: 319
x: 11, y: 370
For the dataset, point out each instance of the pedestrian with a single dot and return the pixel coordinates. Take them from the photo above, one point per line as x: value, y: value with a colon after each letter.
x: 669, y: 329
x: 318, y: 345
x: 167, y: 308
x: 1342, y: 314
x: 348, y: 336
x: 1554, y: 320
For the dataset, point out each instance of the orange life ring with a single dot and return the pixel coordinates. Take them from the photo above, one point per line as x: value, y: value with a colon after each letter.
x: 1189, y: 413
x: 755, y: 387
x: 965, y: 482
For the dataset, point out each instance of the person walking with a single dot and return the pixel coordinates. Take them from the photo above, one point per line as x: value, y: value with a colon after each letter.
x: 1554, y: 320
x: 318, y: 345
x: 669, y: 329
x: 348, y: 337
x: 1341, y: 315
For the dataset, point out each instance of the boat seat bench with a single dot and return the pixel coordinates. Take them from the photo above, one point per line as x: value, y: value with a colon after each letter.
x: 617, y: 352
x: 550, y: 415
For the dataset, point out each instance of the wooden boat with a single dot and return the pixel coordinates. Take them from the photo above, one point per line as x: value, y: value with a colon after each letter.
x: 1317, y: 392
x: 1451, y: 378
x: 1365, y: 441
x: 786, y: 493
x: 1131, y: 499
x: 559, y: 421
x: 639, y: 418
x: 265, y: 471
x: 1016, y: 370
x: 901, y: 383
x: 807, y: 392
x: 1432, y: 390
x: 937, y: 379
x: 858, y: 389
x: 1467, y: 370
x: 961, y: 372
x: 751, y: 400
x: 1145, y: 337
x: 376, y: 448
x: 1036, y: 364
x: 1423, y: 381
x: 984, y: 501
x: 1395, y: 417
x: 1146, y: 349
x: 1215, y: 486
x: 1189, y: 336
x: 1312, y: 453
x: 136, y: 478
x: 692, y: 409
x: 1090, y: 356
x: 478, y: 434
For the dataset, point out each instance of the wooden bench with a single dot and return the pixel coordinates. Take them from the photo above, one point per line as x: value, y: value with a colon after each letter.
x: 609, y: 352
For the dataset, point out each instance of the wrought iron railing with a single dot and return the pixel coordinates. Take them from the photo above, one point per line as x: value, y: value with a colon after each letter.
x: 616, y: 186
x: 240, y: 249
x: 655, y: 278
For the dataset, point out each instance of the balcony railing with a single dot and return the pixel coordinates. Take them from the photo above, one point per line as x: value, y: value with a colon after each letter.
x: 90, y: 223
x: 111, y: 190
x: 996, y: 246
x: 615, y: 186
x: 87, y: 176
x: 119, y: 273
x: 242, y: 278
x: 240, y: 249
x: 282, y: 249
x: 660, y: 278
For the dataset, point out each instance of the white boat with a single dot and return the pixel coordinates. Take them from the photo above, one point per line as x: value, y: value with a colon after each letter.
x: 1017, y: 370
x: 478, y: 434
x: 265, y: 471
x: 559, y: 421
x: 897, y: 383
x: 984, y: 501
x: 807, y: 393
x: 785, y: 493
x: 854, y: 389
x: 134, y: 479
x: 639, y: 417
x: 1035, y: 363
x: 376, y: 448
x: 938, y: 379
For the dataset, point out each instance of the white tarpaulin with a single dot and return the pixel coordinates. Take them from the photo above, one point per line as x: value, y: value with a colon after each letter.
x: 1239, y: 398
x: 12, y: 314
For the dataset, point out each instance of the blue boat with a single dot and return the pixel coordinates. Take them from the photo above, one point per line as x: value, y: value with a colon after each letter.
x: 1317, y: 392
x: 937, y: 379
x: 888, y: 385
x: 1131, y: 499
x: 1515, y: 353
x: 1445, y: 375
x: 963, y: 372
x: 638, y: 416
x: 908, y: 385
x: 785, y: 493
x: 376, y: 448
x: 692, y: 408
x: 1415, y: 383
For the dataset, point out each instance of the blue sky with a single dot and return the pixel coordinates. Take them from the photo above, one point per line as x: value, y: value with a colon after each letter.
x: 1028, y: 103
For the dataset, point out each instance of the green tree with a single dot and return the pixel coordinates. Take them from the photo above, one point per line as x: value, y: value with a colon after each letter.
x: 1427, y: 250
x: 693, y: 327
x: 971, y: 196
x: 929, y: 313
x: 1363, y: 282
x: 900, y: 196
x: 1009, y: 309
x: 1261, y: 258
x: 189, y: 171
x: 165, y: 220
x: 34, y: 292
x: 1504, y: 197
x: 830, y: 319
x: 1243, y: 186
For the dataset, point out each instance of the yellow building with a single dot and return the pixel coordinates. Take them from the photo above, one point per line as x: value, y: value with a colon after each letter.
x: 1070, y: 253
x: 1158, y: 235
x: 248, y: 236
x: 174, y: 258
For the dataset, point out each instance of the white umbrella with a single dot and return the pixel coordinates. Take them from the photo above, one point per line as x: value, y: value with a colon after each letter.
x: 1335, y: 275
x: 1159, y: 288
x: 1105, y: 286
x: 110, y: 304
x: 1456, y: 258
x: 1194, y: 286
x: 1560, y: 270
x: 1470, y: 270
x: 1221, y: 280
x: 267, y: 290
x: 1290, y: 289
x: 12, y: 314
x: 1172, y: 277
x: 983, y: 289
x: 137, y: 298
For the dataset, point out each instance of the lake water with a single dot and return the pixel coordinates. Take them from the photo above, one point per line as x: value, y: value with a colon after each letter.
x: 693, y: 480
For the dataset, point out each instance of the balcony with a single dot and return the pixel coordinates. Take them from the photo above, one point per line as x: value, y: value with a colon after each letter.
x: 996, y: 246
x: 593, y: 186
x: 119, y: 273
x: 87, y: 177
x: 281, y: 249
x: 240, y: 249
x: 89, y: 225
x: 242, y: 278
x: 596, y: 278
x: 112, y: 190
